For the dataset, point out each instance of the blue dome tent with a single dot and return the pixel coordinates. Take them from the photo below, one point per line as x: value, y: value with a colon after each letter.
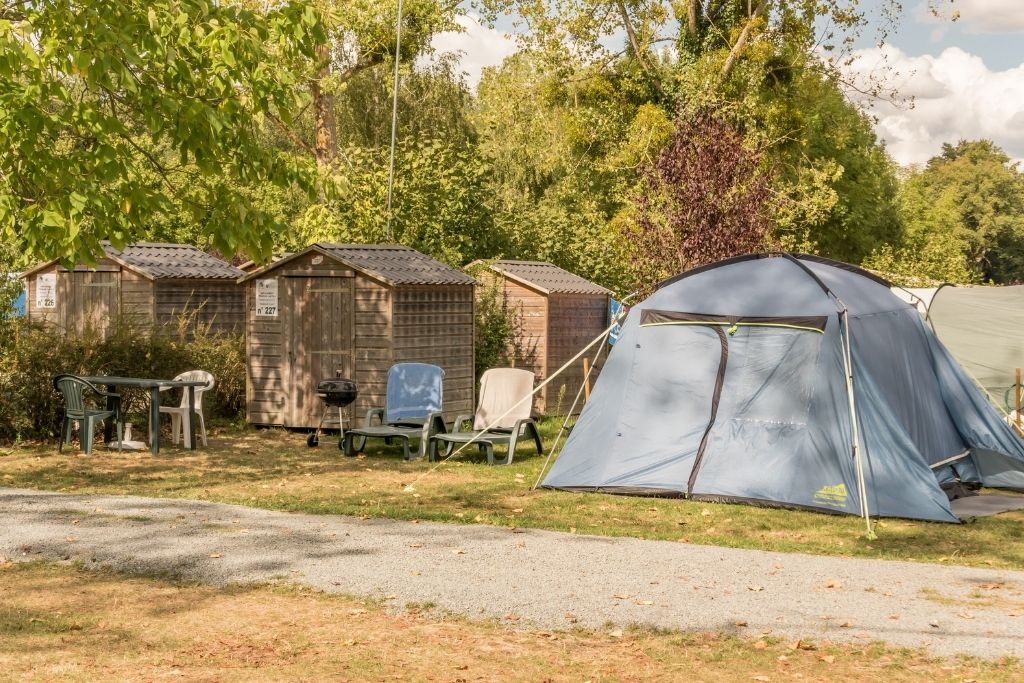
x: 787, y: 380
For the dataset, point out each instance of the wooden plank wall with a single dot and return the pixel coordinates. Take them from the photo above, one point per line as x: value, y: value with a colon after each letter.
x: 217, y: 303
x: 374, y: 343
x: 138, y: 304
x: 434, y: 324
x: 88, y: 298
x: 574, y: 320
x: 266, y: 399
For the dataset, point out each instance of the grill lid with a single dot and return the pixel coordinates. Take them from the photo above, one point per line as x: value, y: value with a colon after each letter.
x: 336, y: 391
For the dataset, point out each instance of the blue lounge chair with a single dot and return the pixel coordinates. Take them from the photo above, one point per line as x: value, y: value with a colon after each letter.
x: 412, y: 409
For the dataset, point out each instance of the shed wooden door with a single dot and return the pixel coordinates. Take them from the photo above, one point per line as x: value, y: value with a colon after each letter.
x: 319, y: 338
x: 90, y: 300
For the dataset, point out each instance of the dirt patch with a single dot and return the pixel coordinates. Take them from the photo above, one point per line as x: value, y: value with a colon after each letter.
x: 61, y: 623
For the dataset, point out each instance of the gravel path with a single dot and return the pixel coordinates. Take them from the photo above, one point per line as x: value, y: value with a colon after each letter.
x: 548, y: 580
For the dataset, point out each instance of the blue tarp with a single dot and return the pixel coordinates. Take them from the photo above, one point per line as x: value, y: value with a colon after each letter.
x: 729, y: 383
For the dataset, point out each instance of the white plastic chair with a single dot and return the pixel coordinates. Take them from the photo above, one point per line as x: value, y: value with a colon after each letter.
x: 177, y: 413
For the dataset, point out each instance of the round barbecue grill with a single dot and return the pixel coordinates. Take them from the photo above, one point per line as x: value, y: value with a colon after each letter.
x: 335, y: 393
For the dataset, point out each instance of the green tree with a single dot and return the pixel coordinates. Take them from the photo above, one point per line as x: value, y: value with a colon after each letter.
x: 438, y: 202
x: 970, y: 195
x: 103, y: 102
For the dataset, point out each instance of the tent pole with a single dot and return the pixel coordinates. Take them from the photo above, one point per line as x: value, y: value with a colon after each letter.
x: 855, y: 428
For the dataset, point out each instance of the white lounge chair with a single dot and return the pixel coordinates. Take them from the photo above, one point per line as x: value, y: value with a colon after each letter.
x: 505, y: 405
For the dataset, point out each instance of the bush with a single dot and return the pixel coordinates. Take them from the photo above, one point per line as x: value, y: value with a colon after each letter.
x: 31, y: 353
x: 499, y: 326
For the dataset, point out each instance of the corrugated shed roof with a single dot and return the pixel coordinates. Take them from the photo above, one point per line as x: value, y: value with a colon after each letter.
x: 174, y: 261
x: 548, y: 277
x: 397, y: 264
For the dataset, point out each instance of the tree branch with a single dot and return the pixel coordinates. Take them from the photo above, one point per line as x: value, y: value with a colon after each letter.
x: 741, y: 42
x: 635, y: 44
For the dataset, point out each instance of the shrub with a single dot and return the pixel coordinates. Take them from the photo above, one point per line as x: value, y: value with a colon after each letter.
x: 499, y: 327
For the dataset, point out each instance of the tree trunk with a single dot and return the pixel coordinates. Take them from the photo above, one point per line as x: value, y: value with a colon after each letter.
x: 326, y: 144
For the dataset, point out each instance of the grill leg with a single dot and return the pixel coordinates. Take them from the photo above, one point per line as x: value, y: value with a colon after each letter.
x: 341, y: 425
x: 313, y: 440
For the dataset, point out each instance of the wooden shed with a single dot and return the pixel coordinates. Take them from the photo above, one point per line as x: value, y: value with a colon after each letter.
x: 561, y: 313
x: 353, y: 311
x: 149, y: 284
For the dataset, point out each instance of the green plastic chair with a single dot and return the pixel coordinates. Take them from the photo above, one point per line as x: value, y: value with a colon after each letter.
x: 76, y: 409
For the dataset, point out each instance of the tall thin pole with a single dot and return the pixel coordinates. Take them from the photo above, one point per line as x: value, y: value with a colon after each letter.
x: 858, y: 456
x: 394, y: 115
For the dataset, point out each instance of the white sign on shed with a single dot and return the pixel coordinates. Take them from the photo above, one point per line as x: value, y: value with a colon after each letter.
x: 266, y: 298
x: 46, y: 290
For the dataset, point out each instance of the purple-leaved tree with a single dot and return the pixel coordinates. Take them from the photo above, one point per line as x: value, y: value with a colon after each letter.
x: 706, y: 197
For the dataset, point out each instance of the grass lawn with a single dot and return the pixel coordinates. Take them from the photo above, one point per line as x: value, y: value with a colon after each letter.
x: 60, y: 623
x: 274, y: 469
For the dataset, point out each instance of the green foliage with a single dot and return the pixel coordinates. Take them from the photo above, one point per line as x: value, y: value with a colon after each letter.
x: 933, y: 258
x: 972, y: 192
x: 437, y: 205
x: 104, y: 104
x: 32, y: 353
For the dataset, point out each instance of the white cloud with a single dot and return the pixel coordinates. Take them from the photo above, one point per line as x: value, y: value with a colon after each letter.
x: 955, y: 96
x: 478, y: 46
x: 977, y: 16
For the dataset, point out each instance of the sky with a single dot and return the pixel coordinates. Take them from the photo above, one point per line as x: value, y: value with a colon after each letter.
x: 965, y: 77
